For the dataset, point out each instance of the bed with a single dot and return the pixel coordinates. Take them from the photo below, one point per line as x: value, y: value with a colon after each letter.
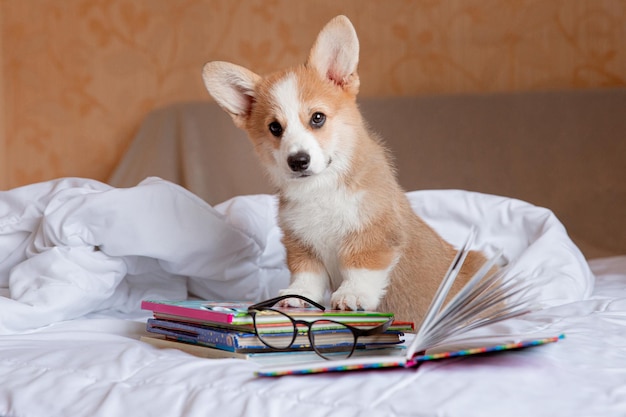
x: 187, y: 212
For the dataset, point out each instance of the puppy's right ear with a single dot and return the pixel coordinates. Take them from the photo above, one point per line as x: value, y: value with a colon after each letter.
x: 233, y: 87
x: 335, y: 54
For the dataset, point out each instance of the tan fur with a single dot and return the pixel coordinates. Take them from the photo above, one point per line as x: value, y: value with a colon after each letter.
x: 389, y: 235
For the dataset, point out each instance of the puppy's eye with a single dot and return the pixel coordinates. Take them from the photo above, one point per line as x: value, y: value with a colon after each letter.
x: 317, y: 120
x: 275, y: 129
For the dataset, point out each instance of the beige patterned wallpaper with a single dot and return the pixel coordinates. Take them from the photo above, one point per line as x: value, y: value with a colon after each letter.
x: 78, y: 76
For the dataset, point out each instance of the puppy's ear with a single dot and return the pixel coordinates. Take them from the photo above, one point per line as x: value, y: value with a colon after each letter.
x: 335, y: 54
x: 233, y: 87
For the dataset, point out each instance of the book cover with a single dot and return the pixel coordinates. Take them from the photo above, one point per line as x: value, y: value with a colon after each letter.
x: 235, y: 315
x: 399, y: 326
x: 236, y: 341
x: 210, y: 311
x: 393, y: 361
x: 265, y: 358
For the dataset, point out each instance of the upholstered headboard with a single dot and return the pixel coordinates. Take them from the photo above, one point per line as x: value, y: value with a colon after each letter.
x: 561, y: 150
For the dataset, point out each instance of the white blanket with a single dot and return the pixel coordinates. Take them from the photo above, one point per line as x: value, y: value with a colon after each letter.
x: 83, y: 252
x: 73, y: 246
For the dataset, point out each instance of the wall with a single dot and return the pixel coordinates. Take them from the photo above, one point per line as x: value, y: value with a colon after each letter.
x: 78, y: 76
x: 4, y: 177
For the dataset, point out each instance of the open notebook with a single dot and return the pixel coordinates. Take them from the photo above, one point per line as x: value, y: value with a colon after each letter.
x: 487, y: 298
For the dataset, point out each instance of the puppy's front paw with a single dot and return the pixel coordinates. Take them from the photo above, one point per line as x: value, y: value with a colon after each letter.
x: 296, y: 302
x: 354, y: 300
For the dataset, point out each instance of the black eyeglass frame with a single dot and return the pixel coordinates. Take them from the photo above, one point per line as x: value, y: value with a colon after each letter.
x: 268, y: 304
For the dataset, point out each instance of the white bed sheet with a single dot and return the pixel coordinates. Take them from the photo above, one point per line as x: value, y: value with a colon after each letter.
x: 97, y: 367
x: 86, y: 360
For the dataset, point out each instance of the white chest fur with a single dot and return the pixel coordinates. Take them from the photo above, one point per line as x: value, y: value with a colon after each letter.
x: 321, y: 220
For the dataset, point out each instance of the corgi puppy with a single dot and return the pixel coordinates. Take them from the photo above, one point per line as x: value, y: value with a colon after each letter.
x: 347, y: 225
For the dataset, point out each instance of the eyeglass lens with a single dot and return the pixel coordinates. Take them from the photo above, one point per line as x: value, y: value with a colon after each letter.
x: 330, y: 339
x: 276, y: 329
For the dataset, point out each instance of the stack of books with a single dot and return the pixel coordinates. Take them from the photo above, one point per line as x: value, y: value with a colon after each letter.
x: 226, y: 330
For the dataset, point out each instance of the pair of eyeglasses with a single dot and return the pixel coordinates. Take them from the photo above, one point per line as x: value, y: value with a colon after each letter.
x: 330, y: 339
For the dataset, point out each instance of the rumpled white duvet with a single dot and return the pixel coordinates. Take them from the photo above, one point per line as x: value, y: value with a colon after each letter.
x: 77, y: 256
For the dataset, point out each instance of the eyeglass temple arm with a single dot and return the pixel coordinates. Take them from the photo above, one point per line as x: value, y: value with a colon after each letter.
x: 272, y: 301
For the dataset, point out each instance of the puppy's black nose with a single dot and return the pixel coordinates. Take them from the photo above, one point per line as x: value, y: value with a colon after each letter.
x: 299, y: 161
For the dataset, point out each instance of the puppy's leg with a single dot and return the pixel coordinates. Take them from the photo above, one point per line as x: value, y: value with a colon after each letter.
x: 365, y: 279
x: 308, y: 275
x: 306, y: 284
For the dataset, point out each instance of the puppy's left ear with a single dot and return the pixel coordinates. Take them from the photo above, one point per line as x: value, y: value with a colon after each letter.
x: 335, y: 54
x: 232, y: 87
